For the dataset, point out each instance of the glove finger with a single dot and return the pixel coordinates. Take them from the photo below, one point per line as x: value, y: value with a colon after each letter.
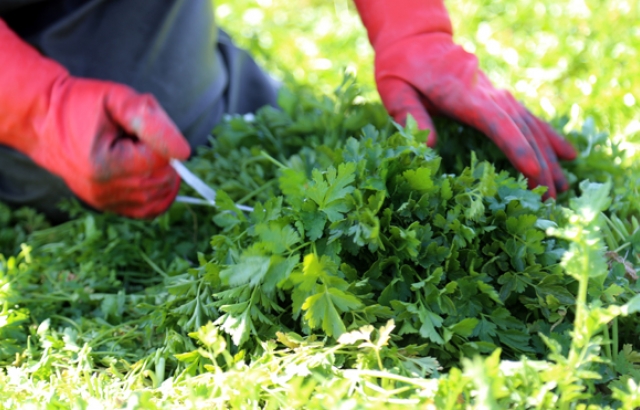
x: 559, y: 179
x: 546, y: 165
x: 135, y: 191
x: 488, y: 117
x: 142, y: 116
x: 401, y: 99
x: 154, y: 206
x: 563, y: 148
x: 535, y: 139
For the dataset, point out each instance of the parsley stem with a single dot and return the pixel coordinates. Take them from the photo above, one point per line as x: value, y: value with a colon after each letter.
x: 607, y: 342
x: 69, y: 321
x: 102, y: 339
x: 581, y: 336
x: 622, y: 247
x: 613, y: 226
x: 272, y: 159
x: 256, y: 191
x: 615, y: 338
x: 296, y: 249
x: 151, y: 375
x: 609, y: 237
x: 384, y: 375
x: 153, y: 264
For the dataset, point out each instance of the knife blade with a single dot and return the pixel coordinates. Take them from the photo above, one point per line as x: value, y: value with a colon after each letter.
x: 194, y: 182
x: 204, y: 190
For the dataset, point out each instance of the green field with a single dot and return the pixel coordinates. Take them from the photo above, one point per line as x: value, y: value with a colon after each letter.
x: 574, y: 58
x: 373, y: 272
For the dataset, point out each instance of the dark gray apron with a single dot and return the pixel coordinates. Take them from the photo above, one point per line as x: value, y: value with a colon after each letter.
x: 170, y: 48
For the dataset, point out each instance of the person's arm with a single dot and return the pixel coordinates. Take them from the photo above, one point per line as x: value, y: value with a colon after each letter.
x: 420, y: 71
x: 108, y: 143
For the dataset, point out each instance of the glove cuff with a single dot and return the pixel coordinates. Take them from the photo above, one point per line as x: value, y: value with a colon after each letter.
x: 389, y: 21
x: 27, y: 81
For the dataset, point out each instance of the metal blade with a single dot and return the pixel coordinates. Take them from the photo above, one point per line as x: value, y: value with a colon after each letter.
x: 197, y: 201
x: 199, y: 186
x: 194, y: 182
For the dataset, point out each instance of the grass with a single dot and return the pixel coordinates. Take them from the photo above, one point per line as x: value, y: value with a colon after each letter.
x: 579, y: 58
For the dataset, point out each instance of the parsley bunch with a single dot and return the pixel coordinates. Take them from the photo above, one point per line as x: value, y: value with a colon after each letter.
x: 358, y: 224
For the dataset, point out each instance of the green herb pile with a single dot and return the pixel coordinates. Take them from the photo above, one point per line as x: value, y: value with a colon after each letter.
x: 372, y: 272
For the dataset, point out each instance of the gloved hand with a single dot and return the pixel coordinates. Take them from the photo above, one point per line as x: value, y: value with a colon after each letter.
x: 108, y: 143
x: 420, y: 71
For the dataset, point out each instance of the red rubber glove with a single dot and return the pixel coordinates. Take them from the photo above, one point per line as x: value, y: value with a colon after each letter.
x: 420, y: 71
x: 109, y: 144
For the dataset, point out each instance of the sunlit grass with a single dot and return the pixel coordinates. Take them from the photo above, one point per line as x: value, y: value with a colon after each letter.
x: 577, y: 58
